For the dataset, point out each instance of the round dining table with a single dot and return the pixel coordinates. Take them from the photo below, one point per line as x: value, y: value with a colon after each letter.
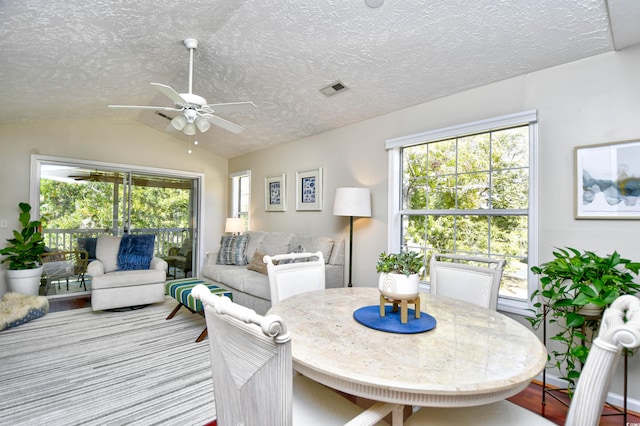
x: 472, y: 356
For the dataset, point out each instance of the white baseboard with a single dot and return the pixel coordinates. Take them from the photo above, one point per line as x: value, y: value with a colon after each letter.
x: 612, y: 398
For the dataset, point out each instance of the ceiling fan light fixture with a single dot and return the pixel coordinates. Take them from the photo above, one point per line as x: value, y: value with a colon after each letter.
x: 179, y: 122
x: 189, y: 129
x: 202, y: 124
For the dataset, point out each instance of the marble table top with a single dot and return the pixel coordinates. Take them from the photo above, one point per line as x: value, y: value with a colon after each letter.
x: 473, y: 356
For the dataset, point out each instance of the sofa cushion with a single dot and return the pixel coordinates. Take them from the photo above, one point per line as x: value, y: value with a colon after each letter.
x: 312, y: 245
x: 214, y: 272
x: 257, y: 264
x: 128, y: 279
x: 233, y: 250
x: 255, y: 239
x: 107, y: 252
x: 88, y: 244
x: 246, y: 281
x: 276, y: 243
x: 135, y: 252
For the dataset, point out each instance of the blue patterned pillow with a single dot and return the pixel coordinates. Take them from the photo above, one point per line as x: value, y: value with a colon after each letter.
x: 135, y: 252
x: 233, y: 250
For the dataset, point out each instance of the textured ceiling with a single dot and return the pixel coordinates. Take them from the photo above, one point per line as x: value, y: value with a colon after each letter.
x: 70, y: 59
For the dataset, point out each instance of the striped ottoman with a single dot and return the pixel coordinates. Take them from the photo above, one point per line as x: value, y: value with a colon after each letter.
x: 181, y: 291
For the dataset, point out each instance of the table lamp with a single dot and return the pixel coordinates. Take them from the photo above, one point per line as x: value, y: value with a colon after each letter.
x: 235, y: 225
x: 352, y: 202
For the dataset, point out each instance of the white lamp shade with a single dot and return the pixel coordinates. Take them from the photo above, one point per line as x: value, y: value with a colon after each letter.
x: 202, y: 124
x: 234, y: 224
x: 179, y: 122
x: 352, y: 202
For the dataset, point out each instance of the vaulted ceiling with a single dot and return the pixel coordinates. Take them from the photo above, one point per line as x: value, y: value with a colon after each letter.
x: 70, y: 59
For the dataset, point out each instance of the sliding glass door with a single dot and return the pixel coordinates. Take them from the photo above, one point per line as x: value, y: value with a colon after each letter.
x: 81, y: 201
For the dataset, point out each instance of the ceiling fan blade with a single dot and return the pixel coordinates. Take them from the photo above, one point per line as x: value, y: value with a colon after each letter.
x: 170, y: 93
x: 233, y: 107
x: 157, y: 108
x: 225, y: 124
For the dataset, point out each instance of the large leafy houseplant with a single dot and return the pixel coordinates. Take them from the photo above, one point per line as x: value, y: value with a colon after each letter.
x: 24, y: 249
x: 571, y: 282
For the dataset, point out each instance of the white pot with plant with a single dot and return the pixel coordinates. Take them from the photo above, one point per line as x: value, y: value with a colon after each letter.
x: 22, y: 253
x: 399, y: 278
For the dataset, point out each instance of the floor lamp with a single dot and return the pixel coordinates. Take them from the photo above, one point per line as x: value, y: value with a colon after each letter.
x: 352, y: 202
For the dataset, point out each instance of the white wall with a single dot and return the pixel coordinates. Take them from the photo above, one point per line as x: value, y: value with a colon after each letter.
x: 123, y: 143
x: 591, y: 101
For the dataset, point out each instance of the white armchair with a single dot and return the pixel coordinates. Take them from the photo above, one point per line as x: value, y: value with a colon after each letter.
x: 112, y: 288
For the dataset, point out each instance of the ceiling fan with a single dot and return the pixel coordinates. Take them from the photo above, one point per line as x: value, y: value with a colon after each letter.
x: 195, y: 112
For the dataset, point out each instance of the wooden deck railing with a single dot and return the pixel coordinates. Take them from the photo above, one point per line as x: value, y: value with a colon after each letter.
x: 67, y: 239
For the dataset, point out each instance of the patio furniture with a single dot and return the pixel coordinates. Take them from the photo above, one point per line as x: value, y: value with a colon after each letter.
x: 180, y: 258
x: 62, y: 265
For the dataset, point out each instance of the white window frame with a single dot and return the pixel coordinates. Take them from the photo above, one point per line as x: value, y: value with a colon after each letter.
x: 394, y: 146
x: 236, y: 203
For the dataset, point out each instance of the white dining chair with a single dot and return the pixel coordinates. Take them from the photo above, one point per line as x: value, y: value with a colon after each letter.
x: 462, y: 277
x: 252, y: 373
x: 294, y: 273
x: 590, y: 393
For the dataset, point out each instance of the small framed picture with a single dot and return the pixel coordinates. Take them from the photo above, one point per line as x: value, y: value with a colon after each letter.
x: 309, y: 189
x: 274, y: 193
x: 607, y: 181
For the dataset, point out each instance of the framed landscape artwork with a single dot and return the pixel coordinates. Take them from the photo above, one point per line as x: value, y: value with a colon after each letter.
x: 274, y: 193
x: 309, y: 189
x: 607, y: 181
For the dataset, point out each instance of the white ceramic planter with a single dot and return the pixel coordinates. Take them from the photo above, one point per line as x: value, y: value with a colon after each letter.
x: 399, y: 286
x: 24, y: 281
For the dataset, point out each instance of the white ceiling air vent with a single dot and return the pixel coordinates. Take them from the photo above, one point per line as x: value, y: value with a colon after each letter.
x: 333, y: 88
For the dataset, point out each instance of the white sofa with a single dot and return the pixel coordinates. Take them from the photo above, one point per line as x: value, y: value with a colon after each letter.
x: 250, y: 287
x: 112, y: 288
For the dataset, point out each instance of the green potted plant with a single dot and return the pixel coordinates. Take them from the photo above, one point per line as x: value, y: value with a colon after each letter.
x: 399, y: 274
x: 575, y: 287
x: 22, y: 253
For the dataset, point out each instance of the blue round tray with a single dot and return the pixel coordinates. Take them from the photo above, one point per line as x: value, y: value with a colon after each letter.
x: 370, y: 316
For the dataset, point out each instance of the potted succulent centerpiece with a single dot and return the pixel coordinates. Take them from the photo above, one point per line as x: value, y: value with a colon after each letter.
x: 399, y: 274
x: 22, y: 253
x: 575, y: 287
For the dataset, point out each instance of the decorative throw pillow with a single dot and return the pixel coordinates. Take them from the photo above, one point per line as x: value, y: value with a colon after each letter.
x: 233, y: 250
x: 257, y: 264
x: 135, y: 252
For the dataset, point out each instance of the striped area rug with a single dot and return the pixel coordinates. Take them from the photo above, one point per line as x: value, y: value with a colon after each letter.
x: 106, y: 368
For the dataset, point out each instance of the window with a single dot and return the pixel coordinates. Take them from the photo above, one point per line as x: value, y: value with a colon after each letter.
x: 469, y: 190
x: 241, y: 195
